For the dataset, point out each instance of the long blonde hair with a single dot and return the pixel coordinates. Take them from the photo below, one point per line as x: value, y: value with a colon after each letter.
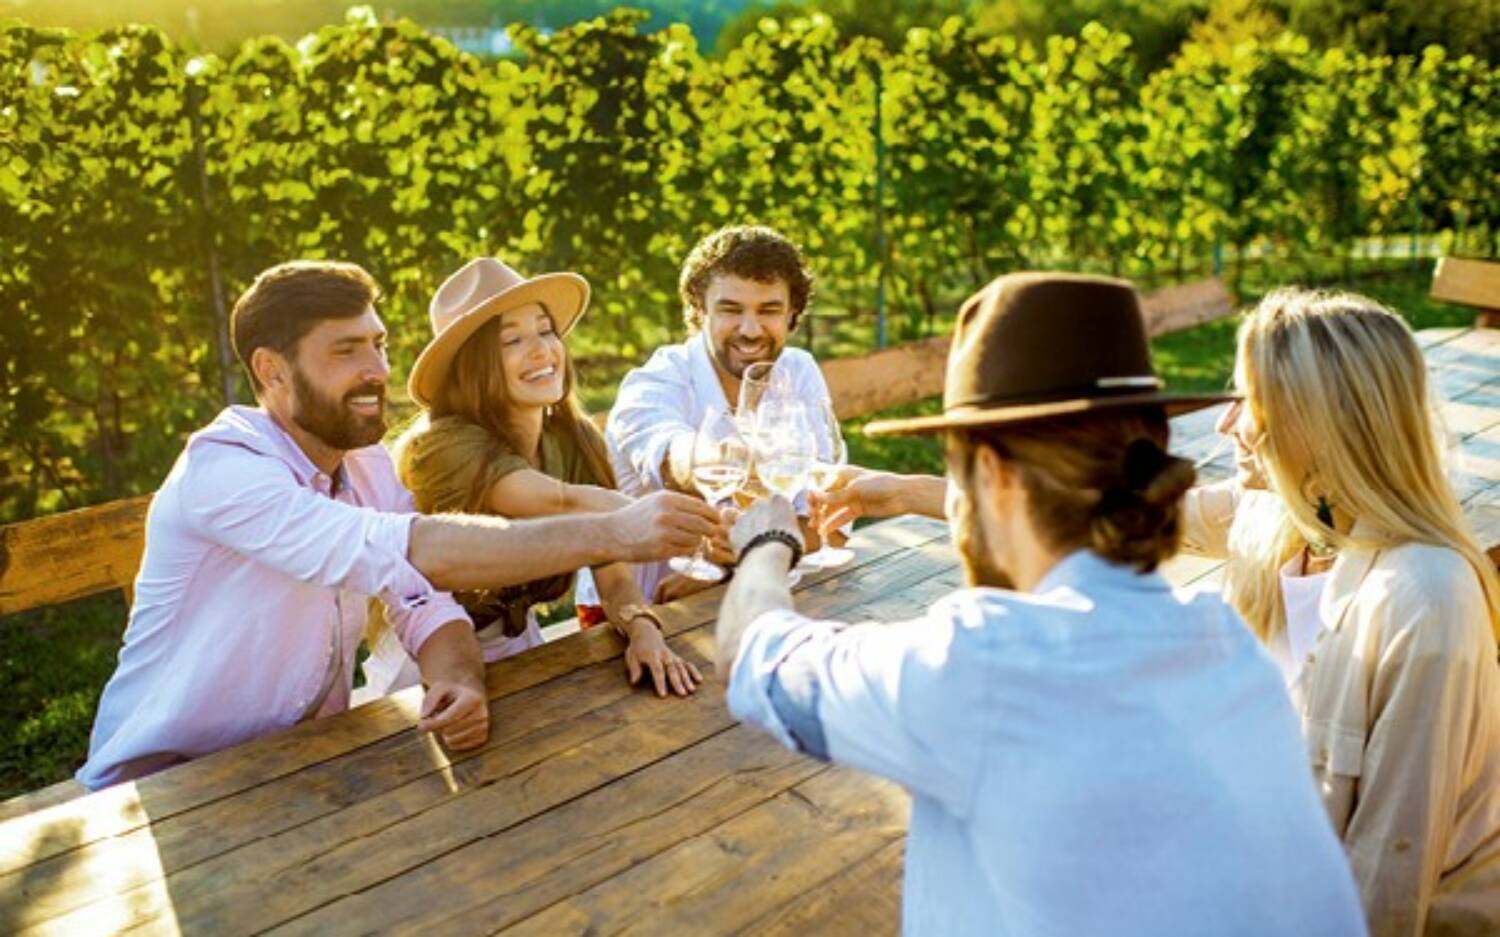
x: 1338, y: 392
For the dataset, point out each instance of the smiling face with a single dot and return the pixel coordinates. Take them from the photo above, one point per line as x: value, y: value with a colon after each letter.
x: 336, y: 381
x: 746, y: 321
x: 532, y: 357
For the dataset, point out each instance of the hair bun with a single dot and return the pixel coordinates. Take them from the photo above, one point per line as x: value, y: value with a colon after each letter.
x: 1144, y: 460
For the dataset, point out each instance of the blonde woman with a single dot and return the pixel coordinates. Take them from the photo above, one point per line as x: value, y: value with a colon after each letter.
x: 502, y: 433
x: 1350, y: 558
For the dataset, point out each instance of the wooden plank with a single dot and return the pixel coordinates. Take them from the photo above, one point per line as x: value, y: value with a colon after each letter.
x: 883, y: 379
x: 1186, y: 305
x: 721, y: 881
x: 116, y: 811
x: 1431, y: 338
x: 1475, y: 467
x: 574, y: 847
x: 60, y: 793
x: 1467, y: 282
x: 863, y: 899
x: 138, y: 902
x: 70, y: 555
x: 1468, y: 362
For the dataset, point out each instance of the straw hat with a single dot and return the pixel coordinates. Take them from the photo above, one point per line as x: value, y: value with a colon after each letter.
x: 1035, y: 345
x: 481, y: 290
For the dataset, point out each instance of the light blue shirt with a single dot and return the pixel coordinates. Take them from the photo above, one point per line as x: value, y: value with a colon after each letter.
x: 1102, y: 756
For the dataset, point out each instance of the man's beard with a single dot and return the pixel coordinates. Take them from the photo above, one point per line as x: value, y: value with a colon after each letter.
x: 736, y: 369
x: 974, y: 553
x: 331, y: 420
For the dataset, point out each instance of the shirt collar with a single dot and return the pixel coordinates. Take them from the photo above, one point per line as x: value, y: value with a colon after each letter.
x: 1083, y: 570
x: 1345, y: 578
x: 256, y: 430
x: 705, y: 375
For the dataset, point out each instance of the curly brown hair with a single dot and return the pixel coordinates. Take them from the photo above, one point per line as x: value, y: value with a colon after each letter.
x: 752, y: 252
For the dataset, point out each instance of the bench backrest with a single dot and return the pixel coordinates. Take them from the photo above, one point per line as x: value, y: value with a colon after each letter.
x: 1473, y: 283
x: 79, y: 553
x: 70, y: 555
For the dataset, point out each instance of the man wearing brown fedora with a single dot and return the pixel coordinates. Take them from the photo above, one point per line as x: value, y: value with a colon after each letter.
x: 279, y: 521
x: 1087, y: 750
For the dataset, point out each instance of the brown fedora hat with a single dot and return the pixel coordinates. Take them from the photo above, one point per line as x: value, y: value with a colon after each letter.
x: 1035, y: 345
x: 481, y: 290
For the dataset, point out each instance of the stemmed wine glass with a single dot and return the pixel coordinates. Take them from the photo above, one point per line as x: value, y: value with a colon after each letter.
x: 832, y: 456
x: 720, y: 464
x: 785, y: 449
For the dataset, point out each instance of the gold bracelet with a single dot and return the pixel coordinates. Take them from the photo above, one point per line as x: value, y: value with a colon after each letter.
x: 626, y: 614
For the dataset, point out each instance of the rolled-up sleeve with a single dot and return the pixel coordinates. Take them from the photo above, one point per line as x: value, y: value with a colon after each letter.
x: 1425, y: 701
x: 254, y: 506
x: 653, y: 406
x: 876, y: 697
x: 1207, y: 516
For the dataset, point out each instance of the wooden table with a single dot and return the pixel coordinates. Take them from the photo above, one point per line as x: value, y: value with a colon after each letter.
x: 594, y: 807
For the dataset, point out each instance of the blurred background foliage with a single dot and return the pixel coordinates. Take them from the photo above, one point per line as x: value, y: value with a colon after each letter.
x: 143, y: 183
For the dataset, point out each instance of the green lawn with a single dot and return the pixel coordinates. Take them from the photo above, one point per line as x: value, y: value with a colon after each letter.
x: 53, y: 662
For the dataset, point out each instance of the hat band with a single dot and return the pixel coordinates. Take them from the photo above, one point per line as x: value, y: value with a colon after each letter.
x: 1100, y: 388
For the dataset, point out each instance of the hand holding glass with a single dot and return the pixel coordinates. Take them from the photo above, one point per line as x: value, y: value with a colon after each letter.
x: 721, y: 462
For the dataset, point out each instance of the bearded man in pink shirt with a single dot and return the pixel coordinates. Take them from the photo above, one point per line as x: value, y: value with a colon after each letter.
x: 277, y: 524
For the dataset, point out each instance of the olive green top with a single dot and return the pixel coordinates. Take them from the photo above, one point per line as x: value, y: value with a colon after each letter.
x: 450, y: 464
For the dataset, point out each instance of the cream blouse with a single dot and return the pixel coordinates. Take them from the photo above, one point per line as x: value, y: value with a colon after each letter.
x: 1400, y: 707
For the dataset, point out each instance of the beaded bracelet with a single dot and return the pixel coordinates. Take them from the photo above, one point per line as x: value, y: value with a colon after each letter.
x: 776, y: 536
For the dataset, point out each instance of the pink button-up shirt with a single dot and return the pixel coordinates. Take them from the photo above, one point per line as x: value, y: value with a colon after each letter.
x: 252, y: 596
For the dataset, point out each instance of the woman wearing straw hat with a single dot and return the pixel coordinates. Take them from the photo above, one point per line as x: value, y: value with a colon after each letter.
x: 502, y: 432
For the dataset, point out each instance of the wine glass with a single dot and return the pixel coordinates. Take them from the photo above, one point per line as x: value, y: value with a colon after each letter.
x: 832, y: 457
x: 720, y: 464
x: 785, y: 451
x: 762, y: 383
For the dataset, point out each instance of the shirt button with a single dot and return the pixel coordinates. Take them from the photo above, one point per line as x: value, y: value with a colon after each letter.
x: 1311, y: 658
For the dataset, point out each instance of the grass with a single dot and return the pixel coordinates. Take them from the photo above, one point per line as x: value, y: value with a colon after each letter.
x: 54, y: 662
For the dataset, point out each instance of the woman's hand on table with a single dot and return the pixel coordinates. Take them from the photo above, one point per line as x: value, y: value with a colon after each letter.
x: 648, y: 653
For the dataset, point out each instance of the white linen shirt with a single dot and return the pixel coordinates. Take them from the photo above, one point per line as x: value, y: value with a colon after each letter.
x: 1102, y: 756
x: 252, y: 596
x: 670, y: 394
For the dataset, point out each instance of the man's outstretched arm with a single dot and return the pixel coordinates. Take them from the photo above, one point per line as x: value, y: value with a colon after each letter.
x: 474, y: 552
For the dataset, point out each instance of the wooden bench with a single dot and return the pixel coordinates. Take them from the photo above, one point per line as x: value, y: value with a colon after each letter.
x: 1473, y: 283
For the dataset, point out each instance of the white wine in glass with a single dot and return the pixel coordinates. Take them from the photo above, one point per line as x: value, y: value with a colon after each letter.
x: 721, y: 463
x: 718, y: 481
x: 833, y: 457
x: 785, y: 472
